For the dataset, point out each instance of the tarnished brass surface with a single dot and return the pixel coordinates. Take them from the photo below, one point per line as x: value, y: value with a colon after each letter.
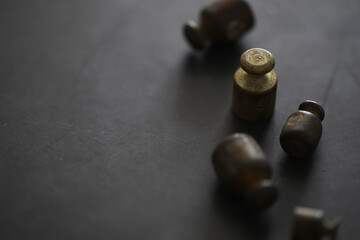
x: 242, y: 167
x: 255, y: 84
x: 220, y: 22
x: 314, y: 108
x: 302, y: 131
x: 311, y: 224
x: 257, y: 61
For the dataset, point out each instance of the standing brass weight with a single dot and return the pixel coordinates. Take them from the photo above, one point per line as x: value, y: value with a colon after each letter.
x: 255, y: 84
x: 302, y: 130
x: 242, y: 167
x: 220, y: 22
x: 311, y: 224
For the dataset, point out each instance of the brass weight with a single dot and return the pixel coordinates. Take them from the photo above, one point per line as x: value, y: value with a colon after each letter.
x: 255, y: 85
x: 311, y: 224
x: 302, y: 131
x: 242, y: 167
x: 220, y: 22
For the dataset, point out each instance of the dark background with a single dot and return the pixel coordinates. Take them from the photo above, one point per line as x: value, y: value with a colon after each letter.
x: 108, y: 119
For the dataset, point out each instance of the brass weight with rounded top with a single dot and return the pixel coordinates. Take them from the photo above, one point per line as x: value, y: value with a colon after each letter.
x: 302, y: 131
x: 311, y: 224
x: 255, y: 84
x: 220, y: 22
x: 242, y: 167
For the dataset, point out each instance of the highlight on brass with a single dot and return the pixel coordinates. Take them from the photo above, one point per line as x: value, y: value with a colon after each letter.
x: 254, y: 87
x: 221, y: 22
x: 242, y: 167
x: 311, y: 224
x: 302, y: 131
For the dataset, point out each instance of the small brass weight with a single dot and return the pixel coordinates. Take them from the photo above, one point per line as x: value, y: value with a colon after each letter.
x: 242, y: 167
x: 302, y: 131
x: 221, y: 22
x: 255, y: 85
x: 311, y: 224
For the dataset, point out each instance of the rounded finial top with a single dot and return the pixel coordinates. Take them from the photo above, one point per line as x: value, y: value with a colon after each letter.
x: 314, y: 108
x: 257, y: 61
x: 262, y: 196
x: 193, y: 35
x: 331, y: 227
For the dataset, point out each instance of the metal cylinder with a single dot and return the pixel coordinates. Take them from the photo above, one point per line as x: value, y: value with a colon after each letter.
x: 311, y: 224
x: 242, y: 167
x: 255, y: 84
x: 221, y: 22
x: 302, y: 131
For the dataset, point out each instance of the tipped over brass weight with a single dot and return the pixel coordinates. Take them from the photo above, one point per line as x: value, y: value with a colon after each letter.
x: 220, y: 22
x: 255, y: 84
x: 242, y: 167
x: 311, y: 224
x: 302, y: 131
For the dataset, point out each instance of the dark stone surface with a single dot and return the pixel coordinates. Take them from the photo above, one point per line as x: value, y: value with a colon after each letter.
x: 108, y: 119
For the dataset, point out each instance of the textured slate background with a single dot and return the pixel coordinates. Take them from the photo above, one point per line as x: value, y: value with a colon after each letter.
x: 108, y: 119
